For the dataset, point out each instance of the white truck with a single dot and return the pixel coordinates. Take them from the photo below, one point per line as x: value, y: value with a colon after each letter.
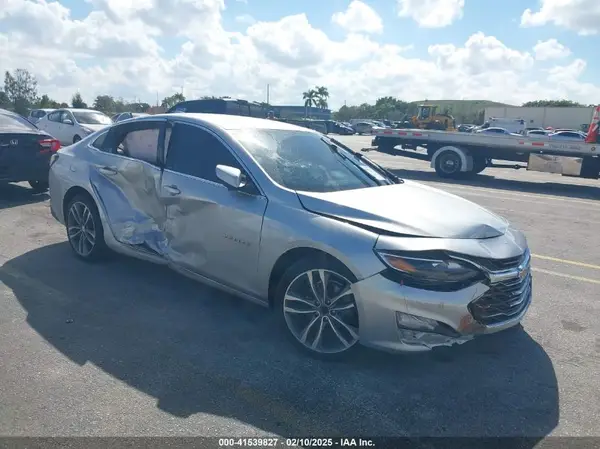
x: 457, y: 155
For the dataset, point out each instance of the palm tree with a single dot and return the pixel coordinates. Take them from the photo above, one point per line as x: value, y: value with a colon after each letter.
x: 323, y: 96
x: 310, y: 99
x: 322, y: 103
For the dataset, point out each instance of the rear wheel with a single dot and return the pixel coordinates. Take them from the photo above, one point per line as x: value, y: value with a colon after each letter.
x: 84, y: 229
x: 448, y: 164
x: 39, y: 186
x: 479, y: 164
x: 316, y: 304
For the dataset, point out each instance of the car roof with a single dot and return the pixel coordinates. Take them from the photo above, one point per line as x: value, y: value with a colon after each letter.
x: 230, y: 122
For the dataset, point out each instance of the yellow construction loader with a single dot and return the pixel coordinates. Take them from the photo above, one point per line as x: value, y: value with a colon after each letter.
x: 429, y: 117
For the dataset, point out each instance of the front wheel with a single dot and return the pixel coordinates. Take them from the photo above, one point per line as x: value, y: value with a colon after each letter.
x: 84, y: 229
x: 317, y: 305
x: 76, y: 139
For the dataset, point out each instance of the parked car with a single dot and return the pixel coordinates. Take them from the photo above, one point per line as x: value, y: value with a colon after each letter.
x: 538, y: 132
x: 567, y: 135
x: 127, y: 115
x: 363, y: 127
x: 287, y: 217
x: 36, y: 114
x: 339, y: 128
x: 24, y: 151
x: 72, y: 125
x: 498, y: 131
x: 465, y: 128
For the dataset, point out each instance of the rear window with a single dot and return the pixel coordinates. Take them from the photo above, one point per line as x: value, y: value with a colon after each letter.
x: 15, y: 122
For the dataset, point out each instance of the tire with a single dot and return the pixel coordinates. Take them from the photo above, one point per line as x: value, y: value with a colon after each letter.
x: 448, y: 165
x: 76, y: 215
x: 479, y: 164
x: 39, y: 186
x: 76, y: 139
x: 325, y: 331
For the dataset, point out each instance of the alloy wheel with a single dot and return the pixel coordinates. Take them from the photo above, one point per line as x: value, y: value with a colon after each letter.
x: 81, y: 229
x: 320, y: 311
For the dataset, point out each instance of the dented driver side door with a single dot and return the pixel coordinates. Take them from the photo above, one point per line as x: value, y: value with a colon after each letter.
x: 126, y: 175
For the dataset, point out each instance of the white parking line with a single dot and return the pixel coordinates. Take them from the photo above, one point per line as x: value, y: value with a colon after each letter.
x: 568, y: 262
x: 564, y: 275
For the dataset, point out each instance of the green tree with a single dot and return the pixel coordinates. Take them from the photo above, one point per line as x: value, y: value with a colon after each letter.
x: 322, y: 96
x: 45, y: 102
x: 77, y: 101
x: 169, y: 102
x: 21, y: 89
x: 553, y: 104
x: 105, y: 103
x: 4, y: 101
x: 310, y: 99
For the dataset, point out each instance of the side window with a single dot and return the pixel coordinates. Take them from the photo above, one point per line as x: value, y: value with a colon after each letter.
x: 135, y: 140
x: 99, y: 142
x: 64, y: 115
x: 193, y: 151
x: 54, y: 116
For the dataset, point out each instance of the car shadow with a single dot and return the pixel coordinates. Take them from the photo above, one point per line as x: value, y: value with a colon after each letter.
x: 196, y: 350
x: 487, y: 180
x: 13, y: 195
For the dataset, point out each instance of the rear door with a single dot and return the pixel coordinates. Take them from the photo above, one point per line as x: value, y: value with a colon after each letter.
x: 211, y: 229
x: 126, y: 175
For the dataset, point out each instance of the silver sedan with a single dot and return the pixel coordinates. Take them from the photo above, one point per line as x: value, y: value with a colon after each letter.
x: 344, y: 251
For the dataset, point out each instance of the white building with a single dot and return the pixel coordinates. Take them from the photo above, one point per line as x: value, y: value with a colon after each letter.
x: 572, y: 118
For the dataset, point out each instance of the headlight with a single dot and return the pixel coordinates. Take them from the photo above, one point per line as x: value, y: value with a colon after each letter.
x: 431, y: 273
x: 87, y: 130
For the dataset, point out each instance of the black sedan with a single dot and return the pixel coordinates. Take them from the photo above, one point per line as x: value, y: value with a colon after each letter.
x: 25, y: 151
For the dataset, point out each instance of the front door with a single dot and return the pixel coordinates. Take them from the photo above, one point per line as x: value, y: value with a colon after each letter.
x: 126, y: 175
x: 211, y: 229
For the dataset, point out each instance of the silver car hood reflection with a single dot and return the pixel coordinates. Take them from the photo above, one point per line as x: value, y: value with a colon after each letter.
x: 409, y: 209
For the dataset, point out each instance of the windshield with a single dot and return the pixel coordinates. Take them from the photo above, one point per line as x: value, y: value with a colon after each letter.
x: 306, y: 161
x: 91, y: 118
x: 15, y: 122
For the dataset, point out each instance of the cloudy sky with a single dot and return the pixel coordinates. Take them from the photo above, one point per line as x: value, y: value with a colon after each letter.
x: 510, y: 50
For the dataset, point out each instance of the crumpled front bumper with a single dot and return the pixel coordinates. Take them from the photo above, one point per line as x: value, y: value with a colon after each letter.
x: 379, y: 300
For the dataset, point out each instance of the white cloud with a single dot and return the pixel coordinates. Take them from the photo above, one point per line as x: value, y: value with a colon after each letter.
x: 550, y: 49
x: 359, y: 17
x: 120, y: 49
x: 582, y: 16
x: 432, y: 13
x: 246, y: 19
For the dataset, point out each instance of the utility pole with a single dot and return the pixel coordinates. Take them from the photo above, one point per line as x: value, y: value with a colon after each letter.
x: 268, y: 93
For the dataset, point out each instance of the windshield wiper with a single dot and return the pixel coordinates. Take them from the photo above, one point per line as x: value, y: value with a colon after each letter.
x: 337, y: 151
x: 368, y: 161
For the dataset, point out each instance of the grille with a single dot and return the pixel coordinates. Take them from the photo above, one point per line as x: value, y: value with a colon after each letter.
x: 498, y: 264
x: 503, y: 301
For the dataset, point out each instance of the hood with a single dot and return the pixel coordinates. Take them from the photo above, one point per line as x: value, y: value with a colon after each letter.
x: 409, y: 209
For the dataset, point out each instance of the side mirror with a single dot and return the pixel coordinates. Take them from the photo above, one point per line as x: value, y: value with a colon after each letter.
x: 231, y: 176
x: 68, y: 121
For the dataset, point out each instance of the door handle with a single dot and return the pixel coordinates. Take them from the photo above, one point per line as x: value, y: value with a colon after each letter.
x: 108, y: 171
x: 173, y: 190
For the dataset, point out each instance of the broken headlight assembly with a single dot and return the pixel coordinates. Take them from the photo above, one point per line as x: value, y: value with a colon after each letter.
x: 436, y: 272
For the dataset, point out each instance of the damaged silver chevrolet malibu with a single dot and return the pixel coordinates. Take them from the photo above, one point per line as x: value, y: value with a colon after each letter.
x: 342, y: 249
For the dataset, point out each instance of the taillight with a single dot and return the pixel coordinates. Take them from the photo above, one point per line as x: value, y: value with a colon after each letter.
x: 49, y: 145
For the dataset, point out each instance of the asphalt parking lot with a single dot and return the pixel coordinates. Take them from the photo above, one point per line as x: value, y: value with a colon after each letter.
x: 128, y: 348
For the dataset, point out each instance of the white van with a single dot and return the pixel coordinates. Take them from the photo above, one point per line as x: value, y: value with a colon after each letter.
x: 512, y: 125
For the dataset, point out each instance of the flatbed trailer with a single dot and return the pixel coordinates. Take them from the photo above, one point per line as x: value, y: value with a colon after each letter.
x: 457, y: 155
